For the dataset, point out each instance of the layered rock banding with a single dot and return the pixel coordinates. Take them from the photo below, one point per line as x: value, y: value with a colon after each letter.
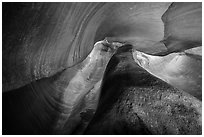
x: 45, y: 45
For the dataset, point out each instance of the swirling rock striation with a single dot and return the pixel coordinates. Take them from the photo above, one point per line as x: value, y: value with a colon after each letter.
x: 45, y: 45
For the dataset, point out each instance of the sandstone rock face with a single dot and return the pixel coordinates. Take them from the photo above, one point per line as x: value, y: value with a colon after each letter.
x: 45, y: 38
x: 142, y: 104
x: 48, y: 49
x: 183, y: 26
x: 42, y: 39
x: 177, y: 69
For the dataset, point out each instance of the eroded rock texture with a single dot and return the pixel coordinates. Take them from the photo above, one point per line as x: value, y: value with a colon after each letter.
x: 59, y: 104
x: 142, y: 104
x: 183, y: 23
x: 46, y: 47
x: 177, y: 69
x: 45, y: 38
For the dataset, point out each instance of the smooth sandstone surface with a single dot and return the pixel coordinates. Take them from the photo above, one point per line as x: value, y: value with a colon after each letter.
x: 41, y: 39
x: 177, y: 69
x: 45, y: 45
x: 56, y: 102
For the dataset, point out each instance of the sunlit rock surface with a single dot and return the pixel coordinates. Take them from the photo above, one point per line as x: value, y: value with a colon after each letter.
x: 142, y: 104
x: 182, y: 70
x: 46, y: 45
x: 45, y: 38
x: 64, y: 95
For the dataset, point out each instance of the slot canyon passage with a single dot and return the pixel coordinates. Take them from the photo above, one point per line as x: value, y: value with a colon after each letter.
x: 102, y: 68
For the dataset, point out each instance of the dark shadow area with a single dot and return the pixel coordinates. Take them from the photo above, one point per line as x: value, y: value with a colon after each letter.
x: 131, y: 99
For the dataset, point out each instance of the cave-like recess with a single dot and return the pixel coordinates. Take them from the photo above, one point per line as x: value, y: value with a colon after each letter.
x: 44, y: 45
